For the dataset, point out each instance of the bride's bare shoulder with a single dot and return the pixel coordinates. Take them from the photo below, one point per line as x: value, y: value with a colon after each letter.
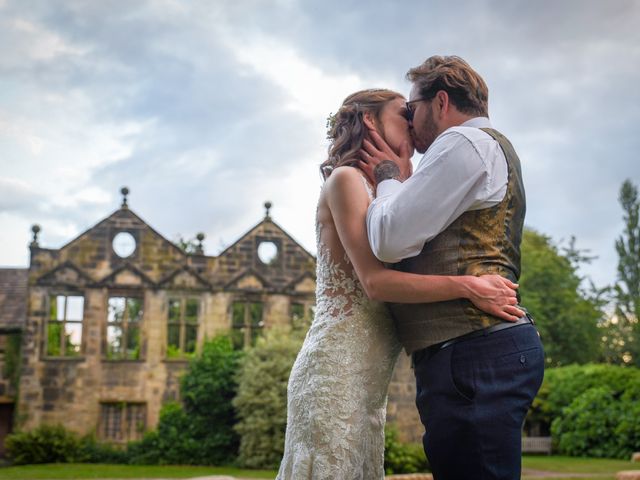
x: 344, y: 177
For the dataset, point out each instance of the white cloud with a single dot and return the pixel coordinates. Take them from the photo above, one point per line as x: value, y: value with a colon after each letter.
x: 43, y: 44
x: 311, y: 91
x: 207, y: 109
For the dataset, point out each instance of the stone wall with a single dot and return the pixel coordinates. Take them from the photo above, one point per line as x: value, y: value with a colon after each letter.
x: 71, y: 390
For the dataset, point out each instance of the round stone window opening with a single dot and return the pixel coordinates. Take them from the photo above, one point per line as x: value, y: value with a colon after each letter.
x: 124, y: 244
x: 267, y: 252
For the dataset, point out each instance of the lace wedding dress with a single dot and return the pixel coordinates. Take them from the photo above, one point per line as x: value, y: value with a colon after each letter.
x: 337, y: 391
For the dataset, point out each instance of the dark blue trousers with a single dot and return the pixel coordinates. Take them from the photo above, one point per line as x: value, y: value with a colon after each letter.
x: 472, y: 397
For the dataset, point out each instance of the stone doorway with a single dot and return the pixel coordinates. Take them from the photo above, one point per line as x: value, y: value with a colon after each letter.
x: 6, y: 424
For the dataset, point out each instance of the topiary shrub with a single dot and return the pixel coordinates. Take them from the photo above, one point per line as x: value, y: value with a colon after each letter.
x: 45, y: 444
x: 261, y: 402
x: 402, y: 457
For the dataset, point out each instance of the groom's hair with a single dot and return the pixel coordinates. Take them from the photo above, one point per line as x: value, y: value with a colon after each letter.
x: 466, y: 89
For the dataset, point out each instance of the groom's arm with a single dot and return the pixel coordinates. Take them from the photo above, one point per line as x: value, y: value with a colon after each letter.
x: 451, y: 179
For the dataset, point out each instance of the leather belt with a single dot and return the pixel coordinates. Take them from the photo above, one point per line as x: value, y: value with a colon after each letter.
x: 433, y: 349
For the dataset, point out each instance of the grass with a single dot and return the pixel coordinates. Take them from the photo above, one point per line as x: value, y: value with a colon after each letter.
x: 59, y: 471
x: 605, y: 469
x: 577, y: 464
x: 596, y: 468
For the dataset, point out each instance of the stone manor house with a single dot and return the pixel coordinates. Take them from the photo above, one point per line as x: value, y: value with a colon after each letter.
x: 95, y: 334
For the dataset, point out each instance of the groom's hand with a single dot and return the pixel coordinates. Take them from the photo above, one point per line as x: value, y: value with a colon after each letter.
x: 380, y: 162
x: 496, y: 295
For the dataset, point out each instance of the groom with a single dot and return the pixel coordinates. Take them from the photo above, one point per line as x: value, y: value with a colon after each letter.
x: 461, y: 212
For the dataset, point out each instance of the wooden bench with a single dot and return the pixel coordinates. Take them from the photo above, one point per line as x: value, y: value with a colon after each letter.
x: 536, y: 445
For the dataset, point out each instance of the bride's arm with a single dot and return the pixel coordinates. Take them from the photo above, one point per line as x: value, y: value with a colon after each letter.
x: 348, y: 202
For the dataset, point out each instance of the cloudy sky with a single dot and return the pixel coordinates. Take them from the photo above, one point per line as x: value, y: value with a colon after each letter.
x: 205, y: 109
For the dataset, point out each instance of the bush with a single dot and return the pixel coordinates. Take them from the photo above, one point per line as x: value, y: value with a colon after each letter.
x: 401, y: 457
x: 563, y: 385
x: 207, y: 389
x: 45, y: 444
x: 172, y: 443
x: 592, y: 410
x: 587, y: 426
x: 92, y: 451
x: 200, y: 432
x: 628, y: 428
x: 261, y: 403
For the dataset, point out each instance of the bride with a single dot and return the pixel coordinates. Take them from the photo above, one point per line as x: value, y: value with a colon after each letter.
x: 337, y: 391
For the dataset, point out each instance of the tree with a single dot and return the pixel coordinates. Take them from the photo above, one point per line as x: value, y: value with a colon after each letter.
x: 627, y: 288
x: 566, y: 315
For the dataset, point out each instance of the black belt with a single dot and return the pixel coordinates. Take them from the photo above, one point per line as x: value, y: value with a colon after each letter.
x: 433, y: 349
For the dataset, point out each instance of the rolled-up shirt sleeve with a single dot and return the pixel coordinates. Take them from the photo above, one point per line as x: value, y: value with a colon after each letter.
x: 450, y: 179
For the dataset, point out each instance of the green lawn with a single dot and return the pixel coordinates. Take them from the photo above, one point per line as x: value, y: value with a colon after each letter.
x: 85, y: 470
x: 604, y: 469
x: 596, y: 468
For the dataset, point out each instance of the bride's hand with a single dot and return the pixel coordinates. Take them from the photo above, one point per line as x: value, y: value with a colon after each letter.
x: 495, y: 295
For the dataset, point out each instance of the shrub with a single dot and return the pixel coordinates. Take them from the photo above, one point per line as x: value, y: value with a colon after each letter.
x: 593, y: 410
x: 587, y: 426
x: 563, y: 385
x: 261, y: 402
x: 172, y: 443
x: 628, y: 429
x: 207, y: 389
x: 199, y: 432
x: 401, y: 457
x: 45, y: 444
x: 93, y: 451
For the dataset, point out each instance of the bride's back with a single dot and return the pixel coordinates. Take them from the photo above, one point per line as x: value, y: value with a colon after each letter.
x: 327, y: 237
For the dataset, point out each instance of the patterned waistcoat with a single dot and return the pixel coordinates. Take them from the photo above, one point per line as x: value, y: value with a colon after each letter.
x: 478, y: 242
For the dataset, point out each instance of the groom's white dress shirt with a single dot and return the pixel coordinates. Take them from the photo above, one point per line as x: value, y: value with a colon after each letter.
x: 464, y: 169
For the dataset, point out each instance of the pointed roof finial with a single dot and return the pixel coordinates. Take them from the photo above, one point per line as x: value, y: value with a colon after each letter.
x: 36, y: 230
x: 267, y: 208
x: 199, y: 247
x: 124, y: 191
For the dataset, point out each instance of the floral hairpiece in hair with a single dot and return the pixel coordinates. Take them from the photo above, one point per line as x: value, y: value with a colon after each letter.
x: 331, y: 122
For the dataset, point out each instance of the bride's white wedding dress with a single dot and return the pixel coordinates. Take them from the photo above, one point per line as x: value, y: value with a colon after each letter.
x: 337, y: 393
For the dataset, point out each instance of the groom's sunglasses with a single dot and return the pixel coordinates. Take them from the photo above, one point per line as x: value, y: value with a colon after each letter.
x: 411, y: 110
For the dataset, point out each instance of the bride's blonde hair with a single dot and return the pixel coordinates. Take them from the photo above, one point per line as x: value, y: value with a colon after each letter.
x: 346, y: 129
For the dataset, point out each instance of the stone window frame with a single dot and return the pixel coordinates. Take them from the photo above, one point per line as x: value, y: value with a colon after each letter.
x: 52, y: 296
x: 182, y: 323
x: 122, y: 421
x: 113, y: 256
x: 278, y: 261
x: 249, y: 329
x: 127, y: 295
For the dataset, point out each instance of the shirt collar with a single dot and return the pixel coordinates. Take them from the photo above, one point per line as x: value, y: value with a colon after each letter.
x: 477, y: 122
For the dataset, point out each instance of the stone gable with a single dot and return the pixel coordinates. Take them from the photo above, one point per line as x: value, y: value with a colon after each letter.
x: 110, y: 319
